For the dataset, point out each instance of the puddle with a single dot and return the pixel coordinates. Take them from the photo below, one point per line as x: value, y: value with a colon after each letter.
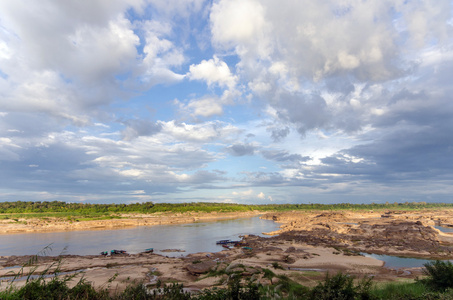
x: 12, y: 267
x: 444, y: 229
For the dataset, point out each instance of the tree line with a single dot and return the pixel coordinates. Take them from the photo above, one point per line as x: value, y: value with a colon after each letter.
x: 150, y: 207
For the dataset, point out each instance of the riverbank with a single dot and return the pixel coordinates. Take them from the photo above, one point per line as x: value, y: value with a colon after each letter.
x: 307, y: 246
x: 302, y: 263
x: 49, y: 224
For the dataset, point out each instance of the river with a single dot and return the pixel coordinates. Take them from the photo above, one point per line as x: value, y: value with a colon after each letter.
x: 192, y: 238
x: 396, y: 262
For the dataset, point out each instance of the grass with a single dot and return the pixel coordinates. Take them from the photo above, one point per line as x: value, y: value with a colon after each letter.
x: 48, y: 216
x: 412, y: 290
x: 338, y: 286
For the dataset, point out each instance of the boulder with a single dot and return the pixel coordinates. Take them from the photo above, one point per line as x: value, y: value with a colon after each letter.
x: 201, y: 268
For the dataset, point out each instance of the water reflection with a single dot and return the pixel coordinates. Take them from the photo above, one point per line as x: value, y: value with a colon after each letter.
x: 192, y: 238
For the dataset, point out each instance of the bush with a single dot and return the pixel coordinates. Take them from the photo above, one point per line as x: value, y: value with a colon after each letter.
x: 341, y: 287
x: 54, y: 289
x: 440, y: 275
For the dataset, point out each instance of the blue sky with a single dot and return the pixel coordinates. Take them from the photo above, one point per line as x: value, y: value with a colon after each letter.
x: 226, y: 101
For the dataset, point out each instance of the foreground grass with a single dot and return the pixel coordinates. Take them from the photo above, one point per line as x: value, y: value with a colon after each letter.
x: 339, y: 286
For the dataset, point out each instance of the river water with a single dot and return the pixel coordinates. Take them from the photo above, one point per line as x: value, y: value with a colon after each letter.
x: 192, y: 238
x: 396, y: 262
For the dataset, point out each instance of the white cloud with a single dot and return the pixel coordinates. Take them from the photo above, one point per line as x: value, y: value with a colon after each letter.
x: 86, y: 46
x: 70, y: 57
x: 213, y: 71
x: 205, y: 132
x: 204, y: 107
x: 246, y: 193
x: 7, y: 150
x: 295, y: 51
x: 238, y: 22
x: 160, y: 53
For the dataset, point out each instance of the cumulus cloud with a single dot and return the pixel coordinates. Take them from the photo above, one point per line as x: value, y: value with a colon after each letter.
x: 160, y: 54
x: 261, y: 195
x: 328, y: 99
x: 235, y: 23
x: 205, y: 132
x: 213, y: 71
x: 204, y: 107
x: 64, y: 59
x: 308, y: 44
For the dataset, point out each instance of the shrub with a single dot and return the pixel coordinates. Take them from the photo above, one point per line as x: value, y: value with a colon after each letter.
x: 341, y: 287
x: 440, y: 275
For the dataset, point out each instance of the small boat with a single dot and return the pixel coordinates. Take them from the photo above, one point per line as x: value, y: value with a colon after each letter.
x: 149, y: 250
x: 234, y: 242
x: 104, y: 253
x: 226, y: 246
x: 247, y: 248
x: 222, y: 242
x: 118, y: 252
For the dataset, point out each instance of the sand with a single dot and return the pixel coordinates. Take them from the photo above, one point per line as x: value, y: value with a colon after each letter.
x: 27, y: 225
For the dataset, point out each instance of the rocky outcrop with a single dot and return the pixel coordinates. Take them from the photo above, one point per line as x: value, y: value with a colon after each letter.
x: 398, y: 232
x: 201, y: 267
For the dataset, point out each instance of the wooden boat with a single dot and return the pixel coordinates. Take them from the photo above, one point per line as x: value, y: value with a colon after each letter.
x: 104, y: 253
x: 226, y: 246
x: 118, y: 252
x: 222, y: 242
x: 149, y: 250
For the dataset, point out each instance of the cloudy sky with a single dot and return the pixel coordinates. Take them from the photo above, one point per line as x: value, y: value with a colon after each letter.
x: 121, y: 101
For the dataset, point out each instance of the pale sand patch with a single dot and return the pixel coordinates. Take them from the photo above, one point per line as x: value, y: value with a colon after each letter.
x: 128, y: 220
x: 320, y: 259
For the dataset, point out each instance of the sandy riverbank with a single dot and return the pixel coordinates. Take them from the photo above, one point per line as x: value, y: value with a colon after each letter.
x: 303, y: 263
x: 27, y: 225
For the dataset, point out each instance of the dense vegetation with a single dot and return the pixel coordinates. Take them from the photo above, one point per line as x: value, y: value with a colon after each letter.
x: 339, y: 286
x: 149, y: 207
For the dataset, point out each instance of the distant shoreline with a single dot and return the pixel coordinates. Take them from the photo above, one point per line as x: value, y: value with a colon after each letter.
x: 37, y: 225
